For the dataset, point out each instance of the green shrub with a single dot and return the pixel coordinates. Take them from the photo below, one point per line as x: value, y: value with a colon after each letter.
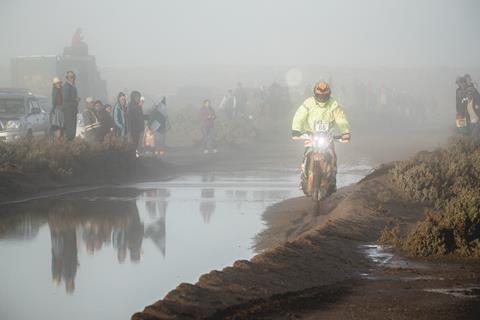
x: 448, y: 180
x: 63, y: 158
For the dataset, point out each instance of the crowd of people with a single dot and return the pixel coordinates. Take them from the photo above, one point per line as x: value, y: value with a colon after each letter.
x: 146, y: 131
x: 125, y: 120
x: 468, y: 107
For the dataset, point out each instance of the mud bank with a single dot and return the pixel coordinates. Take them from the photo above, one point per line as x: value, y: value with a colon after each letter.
x: 316, y: 263
x: 18, y: 186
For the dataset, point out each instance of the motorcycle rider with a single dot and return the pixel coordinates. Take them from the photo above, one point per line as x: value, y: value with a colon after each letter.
x: 320, y: 107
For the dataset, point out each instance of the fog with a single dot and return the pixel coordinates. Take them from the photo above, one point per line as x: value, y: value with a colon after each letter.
x: 333, y: 33
x: 191, y: 50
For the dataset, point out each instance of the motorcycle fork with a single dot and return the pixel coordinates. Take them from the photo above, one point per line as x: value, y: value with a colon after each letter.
x: 314, y: 161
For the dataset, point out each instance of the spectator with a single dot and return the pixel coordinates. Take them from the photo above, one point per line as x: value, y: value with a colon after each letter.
x: 105, y: 120
x: 70, y: 102
x: 162, y: 132
x: 135, y: 118
x: 119, y: 115
x: 77, y: 38
x: 473, y: 112
x: 229, y: 104
x: 90, y: 121
x: 57, y: 118
x: 241, y: 100
x: 108, y: 108
x: 207, y: 115
x: 461, y: 106
x: 157, y: 125
x: 79, y: 46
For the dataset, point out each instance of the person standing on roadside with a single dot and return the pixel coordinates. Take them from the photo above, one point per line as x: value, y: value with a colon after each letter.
x: 108, y: 108
x: 472, y: 107
x: 119, y: 115
x: 229, y: 104
x: 207, y: 115
x: 105, y: 120
x: 461, y: 106
x: 135, y: 118
x: 70, y: 102
x: 90, y: 121
x: 241, y: 101
x: 57, y: 118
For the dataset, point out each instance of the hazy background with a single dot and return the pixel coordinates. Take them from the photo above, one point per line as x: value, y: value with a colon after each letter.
x: 163, y: 47
x: 155, y: 32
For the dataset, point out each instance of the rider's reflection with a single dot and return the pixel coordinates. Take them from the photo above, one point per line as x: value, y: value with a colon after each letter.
x: 207, y: 204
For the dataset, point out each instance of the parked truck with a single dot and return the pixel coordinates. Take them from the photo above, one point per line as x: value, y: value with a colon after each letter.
x: 36, y: 73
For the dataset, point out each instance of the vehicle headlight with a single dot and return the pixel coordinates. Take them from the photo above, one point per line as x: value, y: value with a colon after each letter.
x: 13, y: 124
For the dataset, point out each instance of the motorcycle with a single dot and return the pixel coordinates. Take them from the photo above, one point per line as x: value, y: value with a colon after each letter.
x: 319, y: 166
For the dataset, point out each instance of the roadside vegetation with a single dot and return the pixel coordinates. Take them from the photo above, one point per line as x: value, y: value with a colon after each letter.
x: 448, y: 181
x: 67, y: 159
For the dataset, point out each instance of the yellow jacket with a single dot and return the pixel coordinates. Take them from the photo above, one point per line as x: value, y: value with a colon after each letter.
x: 311, y: 110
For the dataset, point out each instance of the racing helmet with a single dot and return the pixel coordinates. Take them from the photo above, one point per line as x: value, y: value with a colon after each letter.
x: 322, y: 91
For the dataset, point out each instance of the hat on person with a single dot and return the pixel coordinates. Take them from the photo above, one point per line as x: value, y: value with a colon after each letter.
x: 56, y: 80
x: 89, y: 100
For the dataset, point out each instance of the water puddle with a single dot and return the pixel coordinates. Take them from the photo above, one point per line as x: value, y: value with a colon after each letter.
x: 377, y: 254
x: 382, y: 256
x: 106, y: 253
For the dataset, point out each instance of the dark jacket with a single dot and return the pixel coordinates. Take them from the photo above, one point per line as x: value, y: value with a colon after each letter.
x: 462, y: 95
x: 106, y: 124
x: 70, y: 97
x: 156, y: 115
x: 473, y: 93
x: 135, y: 119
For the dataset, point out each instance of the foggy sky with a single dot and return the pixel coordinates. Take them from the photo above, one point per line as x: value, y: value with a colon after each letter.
x: 300, y: 32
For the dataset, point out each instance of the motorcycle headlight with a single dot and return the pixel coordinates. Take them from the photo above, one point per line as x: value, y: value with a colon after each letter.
x: 13, y: 124
x: 321, y: 142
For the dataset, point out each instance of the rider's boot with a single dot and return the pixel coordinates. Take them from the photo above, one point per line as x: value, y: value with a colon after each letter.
x: 332, y: 188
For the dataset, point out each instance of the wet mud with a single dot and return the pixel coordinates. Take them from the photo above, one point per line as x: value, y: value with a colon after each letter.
x: 328, y: 266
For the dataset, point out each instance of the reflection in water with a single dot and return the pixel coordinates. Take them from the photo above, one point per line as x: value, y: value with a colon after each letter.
x: 207, y: 204
x: 64, y: 245
x: 207, y: 198
x: 73, y: 222
x: 91, y: 243
x: 156, y: 203
x: 98, y: 223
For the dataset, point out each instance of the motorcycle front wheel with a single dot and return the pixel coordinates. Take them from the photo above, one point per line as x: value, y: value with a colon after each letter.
x: 316, y: 191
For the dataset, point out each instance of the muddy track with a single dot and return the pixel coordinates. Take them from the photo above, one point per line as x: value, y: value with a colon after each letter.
x: 317, y: 267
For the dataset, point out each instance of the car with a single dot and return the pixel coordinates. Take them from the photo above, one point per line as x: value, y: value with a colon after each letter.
x: 22, y: 115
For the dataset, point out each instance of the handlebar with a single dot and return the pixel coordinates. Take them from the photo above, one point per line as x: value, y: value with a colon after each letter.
x: 308, y: 136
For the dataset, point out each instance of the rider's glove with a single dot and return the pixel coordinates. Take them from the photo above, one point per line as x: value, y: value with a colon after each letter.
x: 345, y: 138
x: 296, y: 133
